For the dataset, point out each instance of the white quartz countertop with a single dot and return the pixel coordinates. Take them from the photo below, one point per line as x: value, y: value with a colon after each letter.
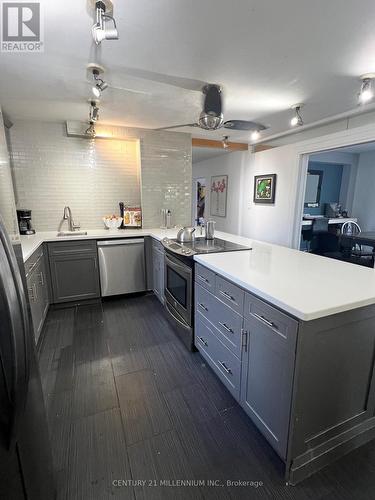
x: 31, y: 243
x: 304, y: 285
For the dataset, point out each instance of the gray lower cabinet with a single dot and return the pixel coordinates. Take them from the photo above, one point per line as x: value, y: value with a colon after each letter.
x: 266, y: 382
x: 250, y: 345
x: 74, y: 271
x: 158, y: 269
x: 37, y: 285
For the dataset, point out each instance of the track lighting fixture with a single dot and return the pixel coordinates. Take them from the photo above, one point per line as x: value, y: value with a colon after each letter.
x: 99, y: 85
x: 297, y: 121
x: 225, y: 141
x: 94, y: 111
x: 255, y: 135
x: 366, y: 93
x: 100, y: 31
x: 90, y: 131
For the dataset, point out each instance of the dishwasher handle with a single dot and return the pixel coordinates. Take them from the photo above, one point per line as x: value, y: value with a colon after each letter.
x: 129, y: 241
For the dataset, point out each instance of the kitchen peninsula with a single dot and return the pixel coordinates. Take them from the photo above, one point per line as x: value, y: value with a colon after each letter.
x: 292, y: 336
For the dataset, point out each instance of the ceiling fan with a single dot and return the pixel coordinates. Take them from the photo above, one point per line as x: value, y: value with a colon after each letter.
x: 211, y: 117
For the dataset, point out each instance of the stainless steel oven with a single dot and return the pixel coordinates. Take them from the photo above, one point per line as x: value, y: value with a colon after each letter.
x: 178, y: 293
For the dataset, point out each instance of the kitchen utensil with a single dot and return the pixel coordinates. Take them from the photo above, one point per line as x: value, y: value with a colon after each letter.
x: 210, y: 229
x: 186, y: 234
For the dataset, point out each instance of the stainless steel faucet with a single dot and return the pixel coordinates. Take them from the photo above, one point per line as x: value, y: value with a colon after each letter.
x: 69, y: 217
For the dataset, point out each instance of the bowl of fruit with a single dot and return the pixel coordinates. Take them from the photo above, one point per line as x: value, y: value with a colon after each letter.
x: 112, y: 221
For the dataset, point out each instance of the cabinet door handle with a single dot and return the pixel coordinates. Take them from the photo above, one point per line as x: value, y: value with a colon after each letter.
x: 226, y: 327
x: 41, y: 278
x: 202, y: 278
x: 202, y: 306
x: 203, y: 341
x: 266, y: 321
x: 245, y: 339
x: 228, y: 370
x: 31, y: 294
x: 227, y: 295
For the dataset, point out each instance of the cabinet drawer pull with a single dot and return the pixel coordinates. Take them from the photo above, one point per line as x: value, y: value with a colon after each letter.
x: 266, y: 321
x: 202, y: 278
x: 202, y: 306
x: 226, y: 327
x: 203, y: 341
x: 224, y: 366
x: 227, y: 295
x: 41, y: 278
x: 31, y: 294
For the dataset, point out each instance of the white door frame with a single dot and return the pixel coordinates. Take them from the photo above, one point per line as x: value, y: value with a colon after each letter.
x: 195, y: 185
x: 348, y: 137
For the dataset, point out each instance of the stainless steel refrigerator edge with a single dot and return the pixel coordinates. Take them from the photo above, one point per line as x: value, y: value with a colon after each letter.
x: 26, y: 468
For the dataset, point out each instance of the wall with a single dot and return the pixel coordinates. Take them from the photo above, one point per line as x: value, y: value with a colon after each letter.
x: 272, y: 223
x: 364, y: 199
x: 231, y: 164
x: 91, y: 176
x: 7, y: 208
x: 331, y: 185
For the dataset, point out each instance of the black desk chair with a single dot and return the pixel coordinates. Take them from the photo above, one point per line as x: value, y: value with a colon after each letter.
x: 321, y: 241
x: 353, y: 251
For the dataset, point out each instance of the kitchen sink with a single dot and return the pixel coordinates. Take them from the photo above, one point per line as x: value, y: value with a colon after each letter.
x: 72, y: 233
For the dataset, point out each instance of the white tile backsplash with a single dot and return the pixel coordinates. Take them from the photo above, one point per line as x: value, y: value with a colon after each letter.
x: 52, y: 170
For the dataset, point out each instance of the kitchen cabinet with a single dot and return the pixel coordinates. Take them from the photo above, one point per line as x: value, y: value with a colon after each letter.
x: 266, y: 382
x: 158, y: 269
x: 74, y: 271
x: 37, y: 285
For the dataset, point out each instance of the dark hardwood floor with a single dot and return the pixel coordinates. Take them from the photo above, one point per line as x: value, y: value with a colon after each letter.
x: 126, y: 401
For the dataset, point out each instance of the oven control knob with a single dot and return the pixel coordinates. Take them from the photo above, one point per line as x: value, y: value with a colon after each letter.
x: 187, y: 252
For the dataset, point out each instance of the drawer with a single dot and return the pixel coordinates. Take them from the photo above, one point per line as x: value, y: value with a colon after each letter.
x: 69, y: 247
x: 205, y: 277
x: 223, y: 362
x: 157, y: 245
x: 227, y: 322
x: 230, y: 294
x: 282, y: 326
x: 33, y: 259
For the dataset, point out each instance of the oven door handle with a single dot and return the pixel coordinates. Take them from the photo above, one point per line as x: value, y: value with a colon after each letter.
x: 172, y: 263
x: 187, y: 327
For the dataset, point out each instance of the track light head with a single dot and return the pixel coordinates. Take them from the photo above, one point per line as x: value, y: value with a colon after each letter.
x: 99, y: 83
x: 100, y: 31
x: 90, y: 131
x: 297, y: 120
x: 225, y: 141
x: 366, y: 92
x: 255, y: 134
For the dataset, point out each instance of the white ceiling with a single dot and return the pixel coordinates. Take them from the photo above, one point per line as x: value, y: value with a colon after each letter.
x: 267, y: 55
x: 201, y: 154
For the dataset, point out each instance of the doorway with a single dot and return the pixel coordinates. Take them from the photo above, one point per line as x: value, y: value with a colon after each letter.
x: 199, y: 199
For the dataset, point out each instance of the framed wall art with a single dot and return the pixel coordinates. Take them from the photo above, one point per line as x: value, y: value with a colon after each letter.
x: 218, y: 195
x: 264, y: 188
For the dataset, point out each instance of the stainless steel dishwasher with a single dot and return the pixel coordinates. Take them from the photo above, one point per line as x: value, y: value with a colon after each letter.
x: 122, y: 266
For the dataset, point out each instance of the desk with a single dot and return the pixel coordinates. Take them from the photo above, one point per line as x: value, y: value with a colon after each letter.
x: 337, y: 220
x: 366, y: 238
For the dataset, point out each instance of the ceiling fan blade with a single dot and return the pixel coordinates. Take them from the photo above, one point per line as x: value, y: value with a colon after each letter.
x: 175, y: 81
x: 125, y: 89
x: 243, y: 125
x: 178, y: 126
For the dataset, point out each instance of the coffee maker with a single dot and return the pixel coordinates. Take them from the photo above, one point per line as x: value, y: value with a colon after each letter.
x: 24, y: 221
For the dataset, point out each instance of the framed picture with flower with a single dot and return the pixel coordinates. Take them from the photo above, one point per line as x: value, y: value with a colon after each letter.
x: 218, y: 195
x: 264, y: 188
